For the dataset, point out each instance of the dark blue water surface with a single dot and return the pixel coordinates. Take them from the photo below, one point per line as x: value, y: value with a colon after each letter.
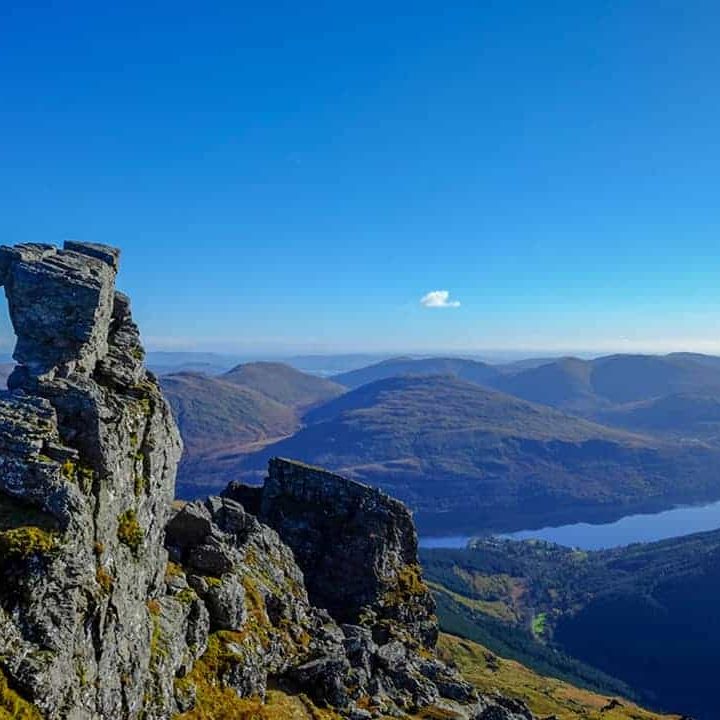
x: 631, y: 529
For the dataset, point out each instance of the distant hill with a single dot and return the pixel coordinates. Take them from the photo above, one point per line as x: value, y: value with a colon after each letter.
x: 330, y: 365
x: 685, y: 415
x: 591, y: 386
x: 167, y: 362
x: 284, y: 384
x: 461, y: 454
x: 5, y: 370
x: 470, y: 370
x: 214, y: 413
x: 232, y: 413
x: 406, y: 405
x: 515, y: 366
x: 564, y: 383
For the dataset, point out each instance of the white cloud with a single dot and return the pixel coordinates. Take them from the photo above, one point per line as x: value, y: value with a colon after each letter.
x: 439, y: 299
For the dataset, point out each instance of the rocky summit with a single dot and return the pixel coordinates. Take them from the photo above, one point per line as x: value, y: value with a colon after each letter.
x: 117, y: 603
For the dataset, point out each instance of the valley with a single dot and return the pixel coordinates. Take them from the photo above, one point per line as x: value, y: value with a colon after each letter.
x: 644, y: 614
x: 468, y: 456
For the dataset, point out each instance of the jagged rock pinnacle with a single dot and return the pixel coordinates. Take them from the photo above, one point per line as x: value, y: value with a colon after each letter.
x: 356, y: 546
x: 61, y: 304
x: 88, y: 452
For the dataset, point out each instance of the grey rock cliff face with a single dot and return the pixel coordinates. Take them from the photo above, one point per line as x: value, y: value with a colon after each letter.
x: 87, y: 472
x: 117, y: 604
x: 357, y: 548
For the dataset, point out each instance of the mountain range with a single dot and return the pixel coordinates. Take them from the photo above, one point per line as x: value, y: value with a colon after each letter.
x: 589, y: 386
x: 459, y: 446
x: 578, y: 386
x: 239, y: 411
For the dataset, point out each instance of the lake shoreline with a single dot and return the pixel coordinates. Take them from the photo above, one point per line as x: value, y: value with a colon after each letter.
x: 528, y: 517
x: 645, y: 527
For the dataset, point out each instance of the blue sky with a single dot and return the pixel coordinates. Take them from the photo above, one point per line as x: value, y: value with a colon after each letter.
x: 297, y: 176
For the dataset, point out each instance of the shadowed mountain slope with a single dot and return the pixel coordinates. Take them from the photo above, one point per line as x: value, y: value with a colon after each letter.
x: 646, y: 613
x: 685, y: 415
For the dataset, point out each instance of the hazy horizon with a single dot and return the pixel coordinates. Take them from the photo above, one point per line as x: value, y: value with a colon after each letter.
x: 336, y: 179
x: 277, y: 351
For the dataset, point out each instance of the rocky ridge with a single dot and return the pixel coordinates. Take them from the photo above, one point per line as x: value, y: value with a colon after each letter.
x: 115, y: 603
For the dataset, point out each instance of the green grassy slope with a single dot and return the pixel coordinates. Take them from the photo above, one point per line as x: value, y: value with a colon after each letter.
x: 547, y: 697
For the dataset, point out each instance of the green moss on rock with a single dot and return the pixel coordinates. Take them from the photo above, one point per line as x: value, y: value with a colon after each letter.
x: 409, y: 585
x: 140, y: 484
x: 24, y: 542
x: 105, y: 580
x: 129, y: 531
x: 69, y: 470
x: 77, y: 473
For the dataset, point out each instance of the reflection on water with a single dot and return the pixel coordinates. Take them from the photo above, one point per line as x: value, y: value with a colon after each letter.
x: 631, y: 529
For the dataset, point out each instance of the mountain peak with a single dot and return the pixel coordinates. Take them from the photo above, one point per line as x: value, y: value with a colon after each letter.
x: 61, y: 304
x: 283, y: 383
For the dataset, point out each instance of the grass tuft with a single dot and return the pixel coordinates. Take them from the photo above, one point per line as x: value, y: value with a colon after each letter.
x: 129, y: 531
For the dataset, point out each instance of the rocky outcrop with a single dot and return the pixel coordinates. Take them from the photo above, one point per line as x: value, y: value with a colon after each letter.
x: 356, y: 546
x: 116, y: 603
x: 354, y: 630
x: 88, y: 451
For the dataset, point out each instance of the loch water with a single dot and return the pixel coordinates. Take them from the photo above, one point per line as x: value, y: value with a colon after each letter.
x: 651, y: 527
